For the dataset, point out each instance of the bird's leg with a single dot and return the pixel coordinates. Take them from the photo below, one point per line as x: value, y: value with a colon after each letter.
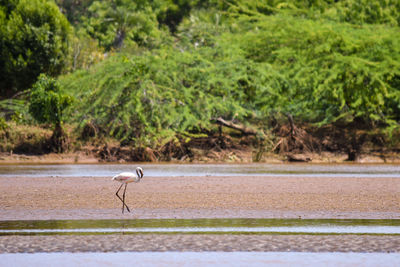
x: 123, y: 201
x: 121, y: 198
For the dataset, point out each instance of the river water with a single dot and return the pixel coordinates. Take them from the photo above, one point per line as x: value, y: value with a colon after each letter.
x: 195, y: 259
x: 163, y: 170
x: 202, y: 226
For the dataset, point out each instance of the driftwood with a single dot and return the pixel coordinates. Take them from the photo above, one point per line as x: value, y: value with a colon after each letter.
x: 294, y: 140
x: 297, y: 158
x: 236, y: 126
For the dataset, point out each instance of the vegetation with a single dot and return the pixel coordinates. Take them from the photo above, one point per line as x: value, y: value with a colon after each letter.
x: 28, y: 139
x: 47, y: 104
x: 298, y: 76
x: 114, y: 23
x: 33, y: 39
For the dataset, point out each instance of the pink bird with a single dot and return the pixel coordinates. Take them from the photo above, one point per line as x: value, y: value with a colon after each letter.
x: 125, y: 178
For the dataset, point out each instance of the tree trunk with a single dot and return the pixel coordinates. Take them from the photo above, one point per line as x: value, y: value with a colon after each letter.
x: 58, y: 139
x: 119, y: 38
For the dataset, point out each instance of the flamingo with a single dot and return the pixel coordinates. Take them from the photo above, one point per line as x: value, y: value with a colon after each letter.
x: 124, y: 178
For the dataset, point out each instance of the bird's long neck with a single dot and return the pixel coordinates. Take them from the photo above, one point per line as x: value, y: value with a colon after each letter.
x: 139, y: 173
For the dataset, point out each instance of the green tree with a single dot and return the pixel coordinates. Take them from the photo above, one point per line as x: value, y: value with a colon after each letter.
x: 33, y: 39
x: 47, y: 105
x: 119, y: 23
x: 74, y: 10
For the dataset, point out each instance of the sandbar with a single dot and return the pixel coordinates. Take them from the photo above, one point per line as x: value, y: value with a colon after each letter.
x: 57, y: 198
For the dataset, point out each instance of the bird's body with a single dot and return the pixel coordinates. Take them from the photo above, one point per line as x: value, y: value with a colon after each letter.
x: 124, y: 178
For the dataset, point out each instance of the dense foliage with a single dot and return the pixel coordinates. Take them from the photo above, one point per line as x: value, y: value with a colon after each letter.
x: 156, y: 95
x: 47, y: 105
x: 172, y: 67
x: 33, y: 40
x: 247, y: 61
x: 119, y: 21
x: 47, y: 102
x: 331, y: 70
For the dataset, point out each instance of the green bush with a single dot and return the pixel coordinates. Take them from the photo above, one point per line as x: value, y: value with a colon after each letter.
x: 47, y: 105
x: 370, y: 12
x: 33, y: 39
x: 246, y: 61
x: 122, y: 23
x: 331, y: 70
x: 151, y: 98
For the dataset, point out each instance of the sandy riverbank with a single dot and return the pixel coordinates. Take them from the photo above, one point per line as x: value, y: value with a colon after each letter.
x: 200, y: 197
x: 224, y: 156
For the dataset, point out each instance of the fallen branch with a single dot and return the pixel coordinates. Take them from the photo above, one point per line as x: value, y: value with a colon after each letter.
x: 235, y: 126
x: 277, y: 145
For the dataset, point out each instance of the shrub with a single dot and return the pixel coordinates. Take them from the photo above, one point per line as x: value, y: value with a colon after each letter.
x: 47, y: 105
x: 33, y: 39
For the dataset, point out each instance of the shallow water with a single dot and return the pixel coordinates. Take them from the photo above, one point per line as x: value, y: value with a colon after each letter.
x: 162, y: 170
x: 201, y: 259
x: 218, y: 230
x: 202, y: 226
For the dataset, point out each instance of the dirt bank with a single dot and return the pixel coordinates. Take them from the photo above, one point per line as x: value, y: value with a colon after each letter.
x: 225, y: 156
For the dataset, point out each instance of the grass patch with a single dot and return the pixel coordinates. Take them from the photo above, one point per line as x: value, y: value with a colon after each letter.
x: 25, y: 139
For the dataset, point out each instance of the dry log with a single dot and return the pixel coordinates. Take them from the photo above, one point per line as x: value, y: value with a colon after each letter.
x: 297, y: 158
x: 235, y: 126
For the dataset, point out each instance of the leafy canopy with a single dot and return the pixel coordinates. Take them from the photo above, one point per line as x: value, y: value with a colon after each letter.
x: 121, y: 23
x: 33, y: 39
x: 47, y: 102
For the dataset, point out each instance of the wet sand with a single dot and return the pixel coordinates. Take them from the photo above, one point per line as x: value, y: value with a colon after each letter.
x: 151, y: 242
x: 46, y: 198
x: 23, y: 198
